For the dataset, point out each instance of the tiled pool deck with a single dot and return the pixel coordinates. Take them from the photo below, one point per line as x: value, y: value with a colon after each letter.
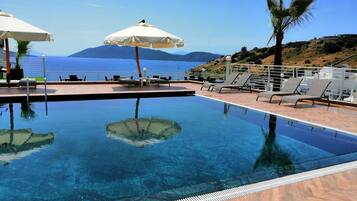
x: 340, y: 117
x: 340, y: 186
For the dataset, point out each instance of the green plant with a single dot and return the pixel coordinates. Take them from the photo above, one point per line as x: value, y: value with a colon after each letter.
x: 282, y: 19
x: 22, y: 50
x: 243, y: 53
x: 330, y: 47
x: 350, y: 44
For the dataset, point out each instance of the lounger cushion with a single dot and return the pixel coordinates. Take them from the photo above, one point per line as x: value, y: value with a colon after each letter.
x: 239, y: 84
x: 269, y: 94
x: 229, y: 80
x: 294, y: 98
x: 31, y: 82
x: 207, y: 85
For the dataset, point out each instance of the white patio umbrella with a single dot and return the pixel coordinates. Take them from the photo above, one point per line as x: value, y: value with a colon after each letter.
x: 143, y: 35
x: 11, y: 27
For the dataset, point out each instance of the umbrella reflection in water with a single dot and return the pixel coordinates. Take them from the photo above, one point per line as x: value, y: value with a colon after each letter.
x: 140, y: 132
x: 16, y: 144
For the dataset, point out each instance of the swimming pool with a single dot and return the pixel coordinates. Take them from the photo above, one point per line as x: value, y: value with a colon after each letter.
x: 153, y: 149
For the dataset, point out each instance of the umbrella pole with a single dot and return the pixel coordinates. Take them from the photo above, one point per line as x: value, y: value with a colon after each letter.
x: 137, y: 60
x: 7, y: 61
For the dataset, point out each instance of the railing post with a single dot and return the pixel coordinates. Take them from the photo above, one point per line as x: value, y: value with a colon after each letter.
x: 27, y: 91
x: 342, y: 84
x: 268, y: 84
x: 228, y: 66
x: 44, y: 74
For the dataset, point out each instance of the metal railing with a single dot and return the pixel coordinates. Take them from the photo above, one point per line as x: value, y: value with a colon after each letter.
x: 266, y: 77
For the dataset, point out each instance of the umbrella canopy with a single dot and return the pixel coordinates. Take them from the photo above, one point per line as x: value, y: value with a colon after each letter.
x: 143, y: 131
x: 16, y: 144
x: 11, y: 27
x: 144, y: 35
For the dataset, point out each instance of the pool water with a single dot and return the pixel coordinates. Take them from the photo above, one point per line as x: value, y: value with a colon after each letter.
x: 153, y: 149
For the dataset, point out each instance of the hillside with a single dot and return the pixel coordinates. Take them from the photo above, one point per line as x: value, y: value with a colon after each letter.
x: 125, y: 52
x: 323, y: 51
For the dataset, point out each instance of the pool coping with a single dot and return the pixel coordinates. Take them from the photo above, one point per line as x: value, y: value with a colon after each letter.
x: 281, y: 181
x: 273, y: 183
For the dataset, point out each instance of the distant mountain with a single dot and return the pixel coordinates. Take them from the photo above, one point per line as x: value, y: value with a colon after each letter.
x: 125, y: 52
x: 180, y: 52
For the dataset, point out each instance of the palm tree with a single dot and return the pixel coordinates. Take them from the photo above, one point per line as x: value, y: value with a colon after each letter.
x: 282, y: 19
x: 22, y: 50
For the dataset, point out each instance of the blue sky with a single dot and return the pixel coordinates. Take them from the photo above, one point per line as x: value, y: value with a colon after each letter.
x: 220, y: 26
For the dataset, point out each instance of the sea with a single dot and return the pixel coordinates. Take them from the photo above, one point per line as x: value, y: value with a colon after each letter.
x: 95, y: 69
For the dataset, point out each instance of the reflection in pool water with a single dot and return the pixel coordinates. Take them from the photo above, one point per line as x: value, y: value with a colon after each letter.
x: 16, y: 144
x: 217, y: 146
x: 272, y: 155
x: 142, y: 131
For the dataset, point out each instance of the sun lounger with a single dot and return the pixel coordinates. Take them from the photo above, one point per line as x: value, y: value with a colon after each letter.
x: 75, y: 78
x: 13, y: 83
x: 159, y: 81
x: 240, y: 83
x: 130, y: 82
x: 316, y: 92
x: 116, y: 77
x: 290, y: 88
x: 229, y: 80
x: 31, y: 83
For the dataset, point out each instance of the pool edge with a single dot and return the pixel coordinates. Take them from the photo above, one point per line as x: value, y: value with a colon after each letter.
x: 266, y: 185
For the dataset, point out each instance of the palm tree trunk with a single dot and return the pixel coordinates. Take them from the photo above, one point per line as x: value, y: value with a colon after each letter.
x: 278, y: 62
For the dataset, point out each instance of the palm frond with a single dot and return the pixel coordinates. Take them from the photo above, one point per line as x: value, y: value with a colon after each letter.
x: 298, y: 7
x: 22, y: 50
x: 300, y: 11
x: 271, y: 38
x: 272, y: 4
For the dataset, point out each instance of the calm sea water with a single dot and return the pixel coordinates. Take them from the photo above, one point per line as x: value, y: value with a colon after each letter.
x: 97, y: 69
x: 191, y: 146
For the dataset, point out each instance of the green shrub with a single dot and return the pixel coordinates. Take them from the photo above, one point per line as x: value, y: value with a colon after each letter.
x: 350, y: 44
x: 258, y: 61
x: 307, y: 61
x: 330, y: 47
x: 340, y: 43
x: 262, y: 50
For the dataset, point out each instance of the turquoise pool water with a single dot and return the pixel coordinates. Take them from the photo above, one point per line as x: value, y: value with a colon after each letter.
x: 167, y: 148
